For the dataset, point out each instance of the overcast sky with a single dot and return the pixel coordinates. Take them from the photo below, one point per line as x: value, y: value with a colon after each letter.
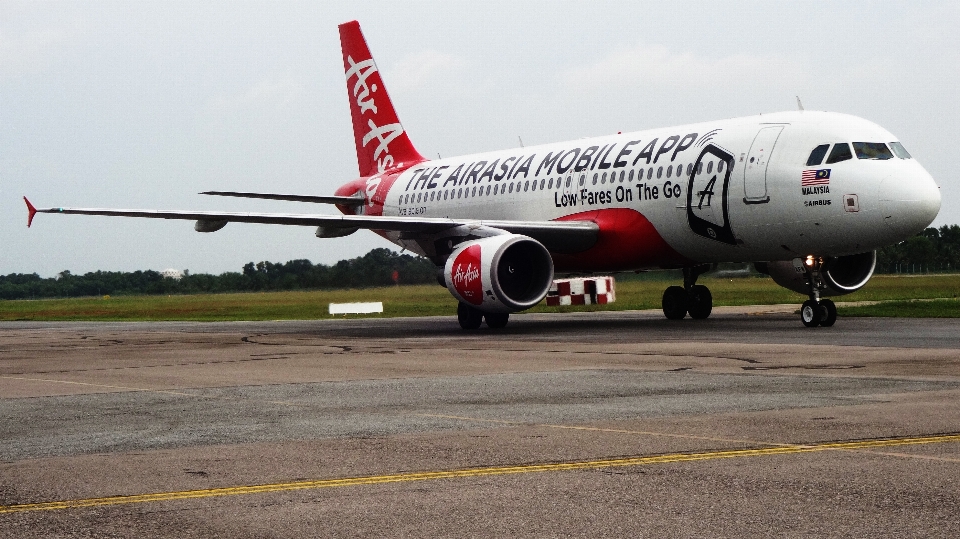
x: 143, y: 104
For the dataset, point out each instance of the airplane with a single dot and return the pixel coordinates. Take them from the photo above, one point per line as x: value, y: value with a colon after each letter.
x: 806, y: 196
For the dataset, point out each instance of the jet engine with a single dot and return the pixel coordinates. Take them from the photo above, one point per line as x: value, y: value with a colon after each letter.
x: 840, y: 274
x: 499, y: 274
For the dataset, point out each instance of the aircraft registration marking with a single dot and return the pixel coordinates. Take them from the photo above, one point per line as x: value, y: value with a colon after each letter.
x: 485, y: 472
x: 419, y: 210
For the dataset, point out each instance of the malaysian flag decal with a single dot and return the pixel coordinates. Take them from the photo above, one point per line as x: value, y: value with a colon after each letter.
x: 815, y: 177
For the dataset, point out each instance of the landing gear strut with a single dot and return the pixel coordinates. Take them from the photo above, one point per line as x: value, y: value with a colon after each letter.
x: 690, y: 298
x: 471, y: 317
x: 816, y: 311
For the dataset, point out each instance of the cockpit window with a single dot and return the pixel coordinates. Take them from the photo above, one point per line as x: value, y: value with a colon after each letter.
x: 840, y: 152
x: 899, y: 150
x: 872, y: 150
x: 816, y: 156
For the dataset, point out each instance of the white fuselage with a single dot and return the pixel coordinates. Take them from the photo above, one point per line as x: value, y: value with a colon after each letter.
x: 673, y: 177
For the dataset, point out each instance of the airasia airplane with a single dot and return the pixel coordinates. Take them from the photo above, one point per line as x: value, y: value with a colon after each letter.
x: 807, y: 196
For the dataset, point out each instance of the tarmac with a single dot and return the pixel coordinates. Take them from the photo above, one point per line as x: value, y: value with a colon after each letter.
x: 609, y: 424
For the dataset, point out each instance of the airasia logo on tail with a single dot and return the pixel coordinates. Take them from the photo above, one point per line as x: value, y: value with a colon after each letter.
x: 465, y: 275
x: 363, y: 93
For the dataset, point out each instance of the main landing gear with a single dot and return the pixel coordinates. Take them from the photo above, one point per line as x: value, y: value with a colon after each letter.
x: 471, y: 317
x: 816, y: 311
x: 690, y: 298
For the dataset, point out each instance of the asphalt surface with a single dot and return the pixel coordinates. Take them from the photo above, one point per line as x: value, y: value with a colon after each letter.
x: 603, y: 424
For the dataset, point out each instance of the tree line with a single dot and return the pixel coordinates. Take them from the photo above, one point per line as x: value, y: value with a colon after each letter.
x: 935, y: 250
x: 376, y: 268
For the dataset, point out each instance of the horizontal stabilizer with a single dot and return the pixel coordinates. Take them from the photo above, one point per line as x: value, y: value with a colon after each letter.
x: 356, y: 200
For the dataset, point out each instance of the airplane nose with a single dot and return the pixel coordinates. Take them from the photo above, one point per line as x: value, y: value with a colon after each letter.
x: 908, y: 204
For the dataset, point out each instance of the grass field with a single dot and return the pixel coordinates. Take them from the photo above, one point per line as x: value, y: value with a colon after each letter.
x: 895, y: 293
x: 937, y: 308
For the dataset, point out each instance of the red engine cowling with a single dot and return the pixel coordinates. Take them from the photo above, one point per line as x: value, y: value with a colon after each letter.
x: 841, y: 274
x: 499, y: 274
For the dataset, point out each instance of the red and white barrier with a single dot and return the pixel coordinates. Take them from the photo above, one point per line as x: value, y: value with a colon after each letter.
x: 581, y: 291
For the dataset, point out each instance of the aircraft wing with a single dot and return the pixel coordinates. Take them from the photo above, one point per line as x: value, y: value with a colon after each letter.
x: 558, y: 236
x: 332, y: 199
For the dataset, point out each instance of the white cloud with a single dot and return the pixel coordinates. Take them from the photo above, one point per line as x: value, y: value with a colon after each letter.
x: 28, y: 52
x: 415, y: 71
x: 269, y: 94
x: 658, y: 66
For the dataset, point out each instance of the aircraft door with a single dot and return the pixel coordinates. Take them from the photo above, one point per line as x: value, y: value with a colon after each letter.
x: 755, y: 167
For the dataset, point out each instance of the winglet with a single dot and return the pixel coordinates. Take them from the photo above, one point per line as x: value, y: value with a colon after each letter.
x: 31, y: 212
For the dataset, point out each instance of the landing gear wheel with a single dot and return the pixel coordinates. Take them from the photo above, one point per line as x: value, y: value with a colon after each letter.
x: 810, y: 314
x: 469, y: 317
x: 700, y: 302
x: 497, y: 320
x: 674, y: 302
x: 828, y: 316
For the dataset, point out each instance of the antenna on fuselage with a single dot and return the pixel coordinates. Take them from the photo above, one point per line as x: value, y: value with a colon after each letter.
x: 521, y: 141
x: 799, y: 104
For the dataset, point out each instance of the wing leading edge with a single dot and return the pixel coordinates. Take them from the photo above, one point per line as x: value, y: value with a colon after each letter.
x: 558, y: 236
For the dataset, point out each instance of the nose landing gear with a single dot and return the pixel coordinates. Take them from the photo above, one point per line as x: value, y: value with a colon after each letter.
x: 814, y: 314
x: 816, y: 311
x: 690, y: 298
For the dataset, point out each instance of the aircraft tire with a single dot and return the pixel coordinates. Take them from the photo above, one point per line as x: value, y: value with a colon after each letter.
x: 468, y: 317
x: 700, y: 302
x: 497, y: 320
x: 829, y: 315
x: 810, y: 314
x: 674, y: 302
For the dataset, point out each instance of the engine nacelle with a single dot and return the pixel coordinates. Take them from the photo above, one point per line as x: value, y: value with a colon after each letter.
x: 499, y: 274
x: 841, y: 274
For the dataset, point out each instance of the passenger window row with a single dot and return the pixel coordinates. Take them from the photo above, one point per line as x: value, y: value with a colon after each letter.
x: 864, y: 150
x: 670, y: 171
x: 508, y: 187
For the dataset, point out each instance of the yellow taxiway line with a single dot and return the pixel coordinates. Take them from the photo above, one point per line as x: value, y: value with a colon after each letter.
x: 479, y: 472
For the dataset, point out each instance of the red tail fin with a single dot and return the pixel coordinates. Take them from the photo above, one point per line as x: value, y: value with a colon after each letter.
x: 381, y: 141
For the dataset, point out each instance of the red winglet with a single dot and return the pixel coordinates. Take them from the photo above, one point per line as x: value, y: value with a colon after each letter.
x: 32, y: 212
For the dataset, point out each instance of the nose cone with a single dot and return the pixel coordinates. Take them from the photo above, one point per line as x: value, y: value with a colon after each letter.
x: 909, y: 203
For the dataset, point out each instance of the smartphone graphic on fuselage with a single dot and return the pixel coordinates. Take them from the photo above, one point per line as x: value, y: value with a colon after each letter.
x: 707, y: 195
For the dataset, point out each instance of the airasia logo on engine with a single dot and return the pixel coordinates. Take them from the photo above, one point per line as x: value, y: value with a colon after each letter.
x: 465, y: 275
